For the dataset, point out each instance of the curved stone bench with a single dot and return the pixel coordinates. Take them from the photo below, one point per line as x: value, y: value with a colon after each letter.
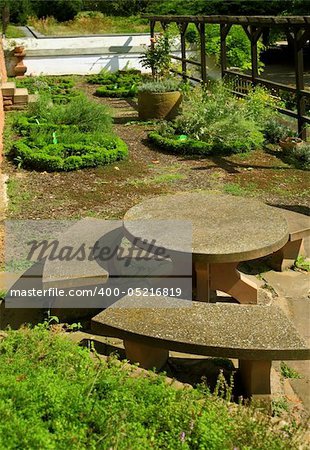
x: 299, y: 228
x: 254, y: 334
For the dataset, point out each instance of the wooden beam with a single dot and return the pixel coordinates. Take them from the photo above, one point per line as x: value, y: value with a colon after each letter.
x: 264, y: 21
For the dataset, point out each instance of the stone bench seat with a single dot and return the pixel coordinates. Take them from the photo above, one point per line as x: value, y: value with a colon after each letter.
x: 299, y: 228
x: 254, y: 334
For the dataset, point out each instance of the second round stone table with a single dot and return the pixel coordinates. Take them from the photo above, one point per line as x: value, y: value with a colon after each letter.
x: 226, y: 230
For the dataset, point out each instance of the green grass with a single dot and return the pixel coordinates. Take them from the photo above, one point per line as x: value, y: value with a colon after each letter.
x: 13, y: 32
x: 53, y: 394
x: 236, y: 189
x: 302, y: 263
x: 279, y: 406
x: 17, y: 196
x: 158, y: 179
x: 91, y: 25
x: 288, y: 372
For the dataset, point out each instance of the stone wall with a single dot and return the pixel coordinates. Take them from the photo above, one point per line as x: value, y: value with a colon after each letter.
x: 79, y: 55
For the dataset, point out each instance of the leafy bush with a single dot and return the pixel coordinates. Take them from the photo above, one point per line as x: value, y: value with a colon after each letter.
x: 118, y: 7
x: 82, y: 112
x: 65, y: 157
x: 157, y: 55
x: 217, y: 117
x: 53, y: 394
x: 274, y: 131
x: 219, y: 121
x: 300, y: 155
x: 167, y: 85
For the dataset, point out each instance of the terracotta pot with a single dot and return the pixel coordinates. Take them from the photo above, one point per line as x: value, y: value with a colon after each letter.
x: 163, y: 105
x: 20, y: 69
x: 290, y: 143
x: 19, y: 49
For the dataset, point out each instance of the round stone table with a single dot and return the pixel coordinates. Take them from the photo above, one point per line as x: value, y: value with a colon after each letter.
x: 225, y: 231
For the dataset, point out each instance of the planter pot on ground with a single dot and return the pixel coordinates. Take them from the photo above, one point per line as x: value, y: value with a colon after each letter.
x: 163, y: 105
x: 20, y: 69
x: 290, y: 143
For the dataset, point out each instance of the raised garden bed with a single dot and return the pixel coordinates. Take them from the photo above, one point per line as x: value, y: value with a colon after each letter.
x: 65, y: 137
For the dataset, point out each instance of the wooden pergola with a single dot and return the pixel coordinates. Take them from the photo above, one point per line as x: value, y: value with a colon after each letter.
x: 297, y: 31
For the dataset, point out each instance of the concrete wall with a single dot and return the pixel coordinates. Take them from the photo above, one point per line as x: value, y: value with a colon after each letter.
x: 79, y: 55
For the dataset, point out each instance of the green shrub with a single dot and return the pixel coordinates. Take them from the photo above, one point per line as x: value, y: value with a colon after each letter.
x: 219, y: 118
x: 157, y: 56
x: 65, y: 157
x: 116, y: 91
x: 221, y: 123
x: 55, y: 395
x: 81, y: 112
x: 274, y: 131
x: 300, y: 155
x: 166, y: 85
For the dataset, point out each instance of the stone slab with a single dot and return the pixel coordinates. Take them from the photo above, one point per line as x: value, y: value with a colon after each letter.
x: 21, y: 95
x: 228, y: 330
x: 8, y: 89
x: 224, y: 228
x: 75, y: 272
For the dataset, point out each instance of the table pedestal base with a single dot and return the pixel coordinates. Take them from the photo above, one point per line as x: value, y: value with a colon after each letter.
x: 224, y: 277
x: 147, y: 356
x: 285, y: 257
x: 255, y: 376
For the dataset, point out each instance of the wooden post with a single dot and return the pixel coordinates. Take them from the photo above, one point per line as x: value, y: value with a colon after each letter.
x: 201, y: 27
x: 224, y: 32
x: 183, y: 27
x: 253, y: 33
x: 299, y: 38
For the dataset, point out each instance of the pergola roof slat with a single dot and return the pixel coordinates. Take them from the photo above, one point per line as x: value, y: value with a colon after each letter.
x: 303, y: 21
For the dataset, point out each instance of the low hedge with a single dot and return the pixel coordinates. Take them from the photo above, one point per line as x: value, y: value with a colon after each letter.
x: 129, y: 76
x: 65, y: 157
x: 116, y: 91
x: 60, y: 88
x: 24, y: 125
x: 188, y: 146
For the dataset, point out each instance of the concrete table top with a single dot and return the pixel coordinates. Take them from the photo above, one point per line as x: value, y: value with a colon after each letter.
x: 247, y: 332
x: 224, y: 228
